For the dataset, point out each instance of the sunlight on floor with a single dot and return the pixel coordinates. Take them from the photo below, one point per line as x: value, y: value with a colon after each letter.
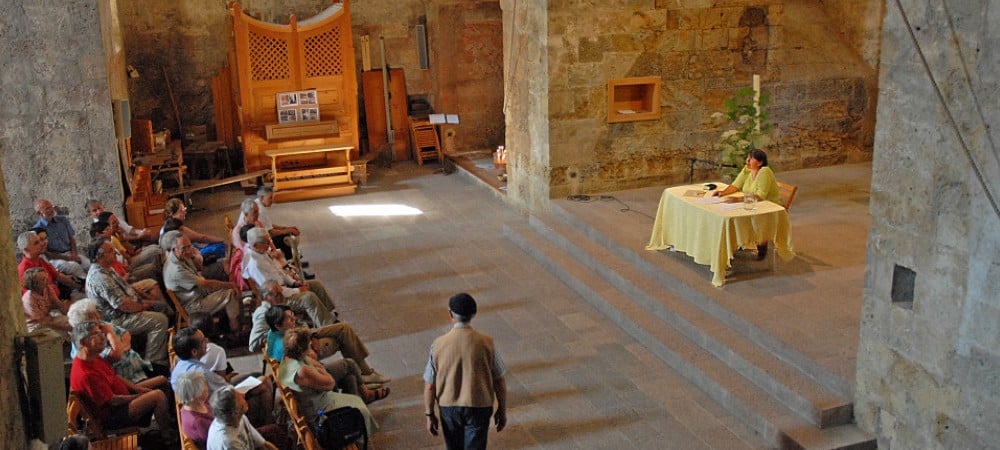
x: 374, y: 210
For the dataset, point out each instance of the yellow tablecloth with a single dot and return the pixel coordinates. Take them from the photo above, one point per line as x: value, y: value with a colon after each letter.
x: 711, y: 233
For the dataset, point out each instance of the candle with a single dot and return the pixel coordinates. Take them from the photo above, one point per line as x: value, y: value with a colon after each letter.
x: 756, y: 100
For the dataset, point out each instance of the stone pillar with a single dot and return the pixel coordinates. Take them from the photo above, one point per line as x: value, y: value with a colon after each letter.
x: 11, y: 424
x: 526, y: 103
x: 929, y: 351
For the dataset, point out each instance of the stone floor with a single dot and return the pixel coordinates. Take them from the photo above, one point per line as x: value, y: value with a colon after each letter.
x: 574, y: 382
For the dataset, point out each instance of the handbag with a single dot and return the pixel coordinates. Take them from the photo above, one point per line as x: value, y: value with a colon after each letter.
x: 340, y: 427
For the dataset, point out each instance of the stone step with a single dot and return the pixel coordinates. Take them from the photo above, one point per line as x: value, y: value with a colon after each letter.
x: 792, y: 388
x: 777, y: 424
x: 700, y: 294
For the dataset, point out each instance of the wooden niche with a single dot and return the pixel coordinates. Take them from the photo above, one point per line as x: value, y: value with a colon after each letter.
x: 633, y: 99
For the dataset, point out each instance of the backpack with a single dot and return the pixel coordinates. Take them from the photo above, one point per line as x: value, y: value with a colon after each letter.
x: 340, y: 427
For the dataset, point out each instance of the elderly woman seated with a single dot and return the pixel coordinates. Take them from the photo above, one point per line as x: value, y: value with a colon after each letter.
x: 231, y: 429
x: 196, y: 414
x: 43, y: 309
x: 313, y: 385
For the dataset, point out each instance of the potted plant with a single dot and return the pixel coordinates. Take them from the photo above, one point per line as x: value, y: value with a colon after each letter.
x: 750, y: 130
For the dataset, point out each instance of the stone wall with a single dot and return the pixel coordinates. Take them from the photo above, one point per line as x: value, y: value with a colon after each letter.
x: 57, y: 140
x: 191, y: 42
x: 927, y: 368
x: 822, y: 90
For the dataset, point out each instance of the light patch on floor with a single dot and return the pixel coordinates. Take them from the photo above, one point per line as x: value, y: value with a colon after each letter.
x: 374, y: 210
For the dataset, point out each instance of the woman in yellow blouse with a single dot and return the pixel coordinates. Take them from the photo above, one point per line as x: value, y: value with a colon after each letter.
x: 755, y: 179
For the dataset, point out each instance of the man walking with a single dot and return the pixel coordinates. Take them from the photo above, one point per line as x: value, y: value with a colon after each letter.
x: 463, y: 376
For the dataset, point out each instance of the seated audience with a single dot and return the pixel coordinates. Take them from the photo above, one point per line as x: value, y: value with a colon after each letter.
x: 212, y: 248
x: 231, y: 430
x: 277, y: 233
x: 313, y: 386
x: 261, y: 267
x: 141, y: 313
x: 344, y: 371
x: 335, y: 337
x: 213, y: 267
x: 190, y: 345
x: 124, y: 264
x: 32, y: 246
x: 197, y: 293
x: 118, y: 352
x: 43, y: 309
x: 94, y: 208
x: 196, y: 415
x: 61, y: 249
x: 116, y: 402
x: 148, y: 254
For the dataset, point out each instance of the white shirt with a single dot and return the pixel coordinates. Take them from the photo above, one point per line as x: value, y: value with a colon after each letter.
x: 240, y: 437
x: 262, y: 216
x: 261, y: 268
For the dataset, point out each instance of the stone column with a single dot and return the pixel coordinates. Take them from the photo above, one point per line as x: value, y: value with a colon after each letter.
x: 526, y: 108
x: 11, y: 424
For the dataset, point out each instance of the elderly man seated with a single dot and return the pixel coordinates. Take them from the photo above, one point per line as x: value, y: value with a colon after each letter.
x: 182, y: 275
x: 141, y: 313
x: 231, y: 429
x: 332, y: 338
x: 261, y: 268
x: 117, y: 402
x: 190, y: 344
x: 61, y: 249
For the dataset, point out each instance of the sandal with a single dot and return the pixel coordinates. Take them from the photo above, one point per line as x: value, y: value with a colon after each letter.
x: 374, y: 395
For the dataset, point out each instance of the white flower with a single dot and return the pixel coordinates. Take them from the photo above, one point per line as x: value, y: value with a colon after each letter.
x: 728, y: 134
x: 743, y: 119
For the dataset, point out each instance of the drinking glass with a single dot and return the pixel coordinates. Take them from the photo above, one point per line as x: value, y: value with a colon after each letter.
x: 749, y: 202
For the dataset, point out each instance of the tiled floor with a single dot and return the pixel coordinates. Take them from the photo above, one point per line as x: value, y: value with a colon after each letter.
x: 574, y: 382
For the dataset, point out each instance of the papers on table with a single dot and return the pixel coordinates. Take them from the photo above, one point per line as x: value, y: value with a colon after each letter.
x: 711, y: 200
x: 694, y: 193
x: 728, y: 206
x: 247, y: 385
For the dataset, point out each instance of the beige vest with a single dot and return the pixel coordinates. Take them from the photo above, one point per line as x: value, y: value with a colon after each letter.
x: 463, y: 360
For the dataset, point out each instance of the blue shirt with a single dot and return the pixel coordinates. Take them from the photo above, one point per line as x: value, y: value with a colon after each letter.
x: 60, y: 232
x: 275, y: 345
x: 215, y: 381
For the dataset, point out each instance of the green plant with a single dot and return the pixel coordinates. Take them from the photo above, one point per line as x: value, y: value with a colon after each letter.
x: 750, y: 131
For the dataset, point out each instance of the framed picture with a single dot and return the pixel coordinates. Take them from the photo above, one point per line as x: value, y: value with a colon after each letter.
x: 288, y: 115
x: 308, y: 98
x: 286, y: 99
x: 309, y: 114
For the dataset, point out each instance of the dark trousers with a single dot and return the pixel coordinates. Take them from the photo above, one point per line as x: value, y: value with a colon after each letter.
x: 279, y: 241
x: 465, y: 428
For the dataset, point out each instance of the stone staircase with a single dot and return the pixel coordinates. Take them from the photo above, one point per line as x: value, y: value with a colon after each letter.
x: 788, y: 399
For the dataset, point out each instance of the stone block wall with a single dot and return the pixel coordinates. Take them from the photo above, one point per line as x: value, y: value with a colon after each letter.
x: 57, y: 140
x: 929, y: 353
x: 822, y: 95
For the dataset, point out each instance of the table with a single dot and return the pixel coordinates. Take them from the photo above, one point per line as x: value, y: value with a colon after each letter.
x: 711, y: 233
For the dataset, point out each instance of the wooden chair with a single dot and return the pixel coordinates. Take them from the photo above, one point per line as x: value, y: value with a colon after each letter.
x: 229, y: 242
x: 183, y: 319
x: 304, y: 434
x: 186, y: 442
x: 80, y: 420
x: 425, y: 141
x: 787, y: 193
